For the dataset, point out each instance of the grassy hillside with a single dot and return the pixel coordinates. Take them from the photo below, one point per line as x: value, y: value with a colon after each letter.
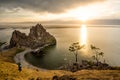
x: 8, y: 55
x: 9, y: 71
x: 98, y: 75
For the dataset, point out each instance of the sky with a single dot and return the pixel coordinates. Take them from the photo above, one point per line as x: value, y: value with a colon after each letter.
x: 61, y: 10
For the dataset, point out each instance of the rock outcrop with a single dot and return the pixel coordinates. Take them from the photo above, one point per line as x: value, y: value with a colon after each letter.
x: 37, y: 37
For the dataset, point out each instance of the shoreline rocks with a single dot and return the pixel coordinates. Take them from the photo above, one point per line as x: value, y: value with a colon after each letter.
x: 88, y: 66
x: 37, y: 37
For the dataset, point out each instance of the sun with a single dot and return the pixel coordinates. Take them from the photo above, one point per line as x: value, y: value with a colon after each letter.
x: 82, y: 14
x: 86, y: 13
x: 83, y: 18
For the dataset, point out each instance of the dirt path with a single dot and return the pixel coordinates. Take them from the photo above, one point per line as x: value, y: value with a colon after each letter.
x: 20, y: 58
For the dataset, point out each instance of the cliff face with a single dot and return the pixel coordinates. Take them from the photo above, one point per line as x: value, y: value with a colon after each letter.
x: 37, y: 37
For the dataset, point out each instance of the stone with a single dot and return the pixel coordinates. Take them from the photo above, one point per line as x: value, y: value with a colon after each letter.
x: 37, y: 37
x: 55, y: 77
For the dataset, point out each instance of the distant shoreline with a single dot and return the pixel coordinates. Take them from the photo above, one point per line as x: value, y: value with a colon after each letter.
x: 2, y: 27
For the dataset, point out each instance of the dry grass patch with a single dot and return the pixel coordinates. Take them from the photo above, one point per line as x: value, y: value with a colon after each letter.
x: 8, y: 55
x: 98, y: 75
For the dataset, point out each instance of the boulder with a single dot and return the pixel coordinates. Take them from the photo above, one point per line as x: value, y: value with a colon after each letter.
x: 37, y: 37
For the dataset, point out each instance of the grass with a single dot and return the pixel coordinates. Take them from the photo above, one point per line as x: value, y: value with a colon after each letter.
x: 9, y: 71
x: 8, y: 55
x: 98, y: 75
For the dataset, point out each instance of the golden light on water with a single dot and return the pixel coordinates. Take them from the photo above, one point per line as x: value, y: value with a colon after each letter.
x: 83, y: 35
x: 84, y: 40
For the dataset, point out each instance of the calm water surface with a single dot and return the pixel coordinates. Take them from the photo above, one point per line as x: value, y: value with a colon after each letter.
x: 106, y: 38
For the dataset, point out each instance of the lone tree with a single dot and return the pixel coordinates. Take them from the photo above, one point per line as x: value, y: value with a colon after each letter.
x: 97, y: 54
x: 74, y: 48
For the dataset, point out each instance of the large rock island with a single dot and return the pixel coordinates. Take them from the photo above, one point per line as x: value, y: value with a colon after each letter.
x: 37, y: 37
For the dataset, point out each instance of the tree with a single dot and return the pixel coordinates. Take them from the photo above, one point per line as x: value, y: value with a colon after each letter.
x: 74, y: 48
x: 97, y: 53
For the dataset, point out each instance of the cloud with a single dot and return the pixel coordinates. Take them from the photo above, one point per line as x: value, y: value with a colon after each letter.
x: 50, y: 6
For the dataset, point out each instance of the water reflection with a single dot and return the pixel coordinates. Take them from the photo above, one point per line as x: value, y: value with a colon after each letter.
x: 83, y: 40
x: 83, y: 35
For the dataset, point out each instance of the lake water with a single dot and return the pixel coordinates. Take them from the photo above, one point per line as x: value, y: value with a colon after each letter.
x: 105, y: 38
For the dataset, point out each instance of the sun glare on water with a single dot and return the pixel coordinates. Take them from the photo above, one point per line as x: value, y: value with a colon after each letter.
x: 83, y: 35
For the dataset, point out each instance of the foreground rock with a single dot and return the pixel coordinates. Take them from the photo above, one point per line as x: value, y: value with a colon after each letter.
x: 88, y: 66
x: 37, y: 37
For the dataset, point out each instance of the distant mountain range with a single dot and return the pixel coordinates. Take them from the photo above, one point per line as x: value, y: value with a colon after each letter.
x: 105, y: 22
x: 74, y: 22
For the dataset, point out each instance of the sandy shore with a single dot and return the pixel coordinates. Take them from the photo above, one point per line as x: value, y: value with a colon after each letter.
x: 20, y: 58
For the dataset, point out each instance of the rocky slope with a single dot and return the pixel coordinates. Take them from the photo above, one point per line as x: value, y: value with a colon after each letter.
x: 37, y: 37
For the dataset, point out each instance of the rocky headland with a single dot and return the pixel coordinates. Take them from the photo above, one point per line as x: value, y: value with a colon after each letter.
x: 34, y: 42
x: 37, y: 37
